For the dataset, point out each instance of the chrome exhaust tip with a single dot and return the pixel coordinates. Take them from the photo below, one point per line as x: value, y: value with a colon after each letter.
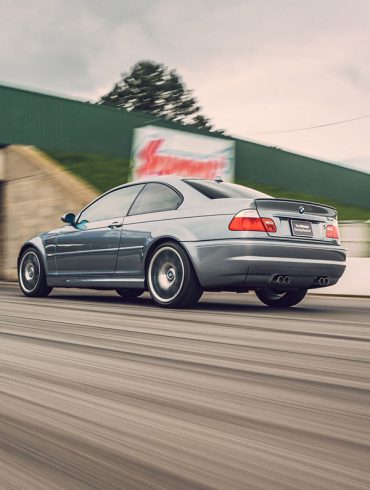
x: 283, y: 280
x: 280, y: 279
x: 323, y: 281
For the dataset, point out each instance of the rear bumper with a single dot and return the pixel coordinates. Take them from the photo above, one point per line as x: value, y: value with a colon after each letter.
x: 254, y: 263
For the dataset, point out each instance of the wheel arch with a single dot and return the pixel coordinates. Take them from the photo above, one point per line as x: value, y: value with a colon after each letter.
x: 156, y: 243
x: 33, y: 243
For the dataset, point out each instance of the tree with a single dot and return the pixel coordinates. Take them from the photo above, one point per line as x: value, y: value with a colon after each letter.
x: 152, y: 88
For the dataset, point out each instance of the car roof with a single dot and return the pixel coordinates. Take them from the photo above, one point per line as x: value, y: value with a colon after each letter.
x: 172, y: 180
x: 166, y: 179
x: 194, y: 197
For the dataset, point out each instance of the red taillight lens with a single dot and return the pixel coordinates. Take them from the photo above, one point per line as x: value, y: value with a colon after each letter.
x: 246, y: 224
x: 332, y: 231
x: 269, y: 225
x: 250, y: 221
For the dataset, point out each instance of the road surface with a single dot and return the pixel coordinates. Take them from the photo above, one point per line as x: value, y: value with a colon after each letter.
x: 98, y: 393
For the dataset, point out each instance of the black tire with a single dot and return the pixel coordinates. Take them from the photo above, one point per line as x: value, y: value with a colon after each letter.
x: 281, y: 300
x: 129, y: 293
x: 31, y: 274
x: 170, y: 277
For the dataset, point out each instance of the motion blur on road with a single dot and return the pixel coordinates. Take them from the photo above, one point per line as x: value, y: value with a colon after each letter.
x: 102, y: 393
x: 98, y: 393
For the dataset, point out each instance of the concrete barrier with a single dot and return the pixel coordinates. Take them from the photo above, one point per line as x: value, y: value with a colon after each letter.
x: 34, y: 192
x: 355, y: 237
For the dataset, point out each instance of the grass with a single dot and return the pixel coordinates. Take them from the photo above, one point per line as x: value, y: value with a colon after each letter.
x: 104, y: 172
x: 101, y: 171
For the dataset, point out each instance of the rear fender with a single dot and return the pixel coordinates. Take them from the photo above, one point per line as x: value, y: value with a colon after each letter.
x: 163, y: 239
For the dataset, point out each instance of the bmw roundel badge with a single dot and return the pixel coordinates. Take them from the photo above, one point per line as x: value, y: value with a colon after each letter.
x: 301, y: 209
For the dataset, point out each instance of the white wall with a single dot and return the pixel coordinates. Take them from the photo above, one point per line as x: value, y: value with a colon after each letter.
x: 355, y: 236
x: 355, y: 280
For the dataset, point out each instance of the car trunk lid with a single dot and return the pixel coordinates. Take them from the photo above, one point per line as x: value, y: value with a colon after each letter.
x: 297, y: 219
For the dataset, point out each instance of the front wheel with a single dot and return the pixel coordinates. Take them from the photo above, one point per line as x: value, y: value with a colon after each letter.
x: 31, y: 275
x: 171, y: 279
x: 280, y: 300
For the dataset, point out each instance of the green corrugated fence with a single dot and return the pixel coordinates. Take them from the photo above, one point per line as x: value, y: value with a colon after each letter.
x: 56, y: 123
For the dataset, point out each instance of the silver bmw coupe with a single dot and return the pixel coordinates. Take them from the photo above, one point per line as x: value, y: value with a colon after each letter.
x: 179, y: 237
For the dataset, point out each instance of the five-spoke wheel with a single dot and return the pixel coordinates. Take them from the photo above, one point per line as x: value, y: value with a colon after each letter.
x: 31, y: 274
x: 171, y: 279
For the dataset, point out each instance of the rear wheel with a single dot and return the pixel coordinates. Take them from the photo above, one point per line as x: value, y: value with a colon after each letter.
x: 280, y: 300
x: 31, y: 274
x: 129, y: 293
x: 171, y: 279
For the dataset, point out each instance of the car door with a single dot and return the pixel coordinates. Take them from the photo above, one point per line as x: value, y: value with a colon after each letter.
x: 90, y: 247
x: 154, y: 203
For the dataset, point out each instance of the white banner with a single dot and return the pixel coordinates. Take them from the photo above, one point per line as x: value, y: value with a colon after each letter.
x: 161, y: 151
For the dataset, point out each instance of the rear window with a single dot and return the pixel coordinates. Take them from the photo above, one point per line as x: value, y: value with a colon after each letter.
x: 222, y: 190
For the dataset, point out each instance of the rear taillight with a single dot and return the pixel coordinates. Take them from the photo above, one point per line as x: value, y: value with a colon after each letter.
x: 249, y: 220
x: 269, y: 225
x: 332, y: 231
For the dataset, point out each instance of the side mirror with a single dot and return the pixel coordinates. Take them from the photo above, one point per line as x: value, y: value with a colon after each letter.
x: 69, y: 218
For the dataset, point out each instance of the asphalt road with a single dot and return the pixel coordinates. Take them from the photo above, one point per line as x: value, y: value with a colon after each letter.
x: 96, y: 393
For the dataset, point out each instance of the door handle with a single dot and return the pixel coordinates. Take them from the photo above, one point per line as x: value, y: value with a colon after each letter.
x: 115, y: 224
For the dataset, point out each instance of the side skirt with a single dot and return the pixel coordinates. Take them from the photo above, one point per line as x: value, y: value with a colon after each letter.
x: 98, y: 282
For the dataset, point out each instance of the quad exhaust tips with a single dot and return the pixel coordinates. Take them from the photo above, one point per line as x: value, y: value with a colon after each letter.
x: 323, y: 281
x: 282, y: 280
x: 285, y: 280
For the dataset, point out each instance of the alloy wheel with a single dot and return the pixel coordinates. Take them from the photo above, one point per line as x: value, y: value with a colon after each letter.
x: 29, y: 271
x: 166, y: 274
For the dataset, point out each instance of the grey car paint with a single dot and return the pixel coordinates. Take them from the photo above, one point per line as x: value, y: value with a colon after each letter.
x: 106, y: 256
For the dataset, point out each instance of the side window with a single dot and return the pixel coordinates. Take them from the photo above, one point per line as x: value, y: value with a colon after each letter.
x: 155, y: 197
x: 112, y: 205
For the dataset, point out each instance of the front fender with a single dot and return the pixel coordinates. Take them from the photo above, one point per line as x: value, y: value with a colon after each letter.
x: 35, y: 242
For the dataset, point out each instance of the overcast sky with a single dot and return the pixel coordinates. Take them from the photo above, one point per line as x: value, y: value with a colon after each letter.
x: 256, y: 67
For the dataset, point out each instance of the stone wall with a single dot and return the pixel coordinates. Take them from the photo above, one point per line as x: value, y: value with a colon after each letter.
x: 35, y: 192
